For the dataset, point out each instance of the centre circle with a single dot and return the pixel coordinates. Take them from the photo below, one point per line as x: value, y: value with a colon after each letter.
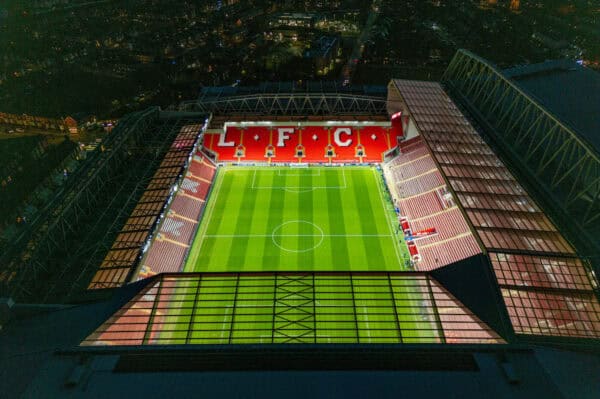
x: 297, y: 236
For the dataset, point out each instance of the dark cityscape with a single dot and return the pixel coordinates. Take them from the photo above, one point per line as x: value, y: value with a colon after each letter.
x: 106, y: 58
x: 300, y: 199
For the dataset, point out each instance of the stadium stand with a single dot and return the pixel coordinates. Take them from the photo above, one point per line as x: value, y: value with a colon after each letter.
x: 377, y: 141
x: 256, y: 145
x: 522, y: 315
x: 163, y: 256
x: 529, y: 255
x: 420, y: 193
x: 121, y: 260
x: 169, y: 248
x: 316, y: 143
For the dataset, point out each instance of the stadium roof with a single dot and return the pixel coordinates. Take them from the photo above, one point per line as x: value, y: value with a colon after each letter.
x: 536, y: 268
x: 266, y: 308
x: 41, y: 357
x: 568, y: 90
x: 211, y: 93
x: 550, y: 156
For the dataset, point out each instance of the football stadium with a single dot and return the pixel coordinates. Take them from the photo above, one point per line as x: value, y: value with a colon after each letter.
x: 445, y: 227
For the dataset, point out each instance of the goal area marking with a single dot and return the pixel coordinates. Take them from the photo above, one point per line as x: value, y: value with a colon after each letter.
x: 298, y: 172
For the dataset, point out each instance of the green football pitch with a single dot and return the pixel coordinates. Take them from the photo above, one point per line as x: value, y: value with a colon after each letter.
x: 297, y: 219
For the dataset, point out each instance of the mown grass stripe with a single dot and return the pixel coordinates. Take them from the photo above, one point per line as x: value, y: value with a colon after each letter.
x: 353, y: 214
x: 216, y: 251
x: 339, y: 252
x: 304, y: 257
x: 246, y: 197
x: 368, y: 221
x: 271, y: 253
x: 260, y: 230
x: 222, y: 202
x: 321, y: 256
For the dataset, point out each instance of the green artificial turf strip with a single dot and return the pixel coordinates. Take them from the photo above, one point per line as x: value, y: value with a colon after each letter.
x: 307, y: 219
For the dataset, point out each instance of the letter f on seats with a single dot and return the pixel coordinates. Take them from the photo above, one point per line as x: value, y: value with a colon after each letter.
x: 282, y: 136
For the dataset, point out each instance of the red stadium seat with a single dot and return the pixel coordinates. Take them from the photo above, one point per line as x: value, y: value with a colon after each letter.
x: 256, y: 141
x: 425, y: 204
x: 348, y: 143
x: 168, y: 249
x: 314, y: 139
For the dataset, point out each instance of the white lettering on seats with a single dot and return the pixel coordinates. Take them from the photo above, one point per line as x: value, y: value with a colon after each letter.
x: 282, y: 136
x: 223, y: 143
x: 336, y: 136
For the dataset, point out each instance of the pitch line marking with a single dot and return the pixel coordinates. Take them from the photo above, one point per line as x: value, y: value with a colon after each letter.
x: 306, y: 190
x: 320, y: 234
x: 298, y: 174
x: 293, y: 235
x: 297, y: 187
x: 387, y: 216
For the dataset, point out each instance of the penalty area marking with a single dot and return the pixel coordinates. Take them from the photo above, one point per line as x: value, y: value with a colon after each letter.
x: 298, y: 189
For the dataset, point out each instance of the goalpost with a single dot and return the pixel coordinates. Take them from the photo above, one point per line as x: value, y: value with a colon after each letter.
x: 299, y: 165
